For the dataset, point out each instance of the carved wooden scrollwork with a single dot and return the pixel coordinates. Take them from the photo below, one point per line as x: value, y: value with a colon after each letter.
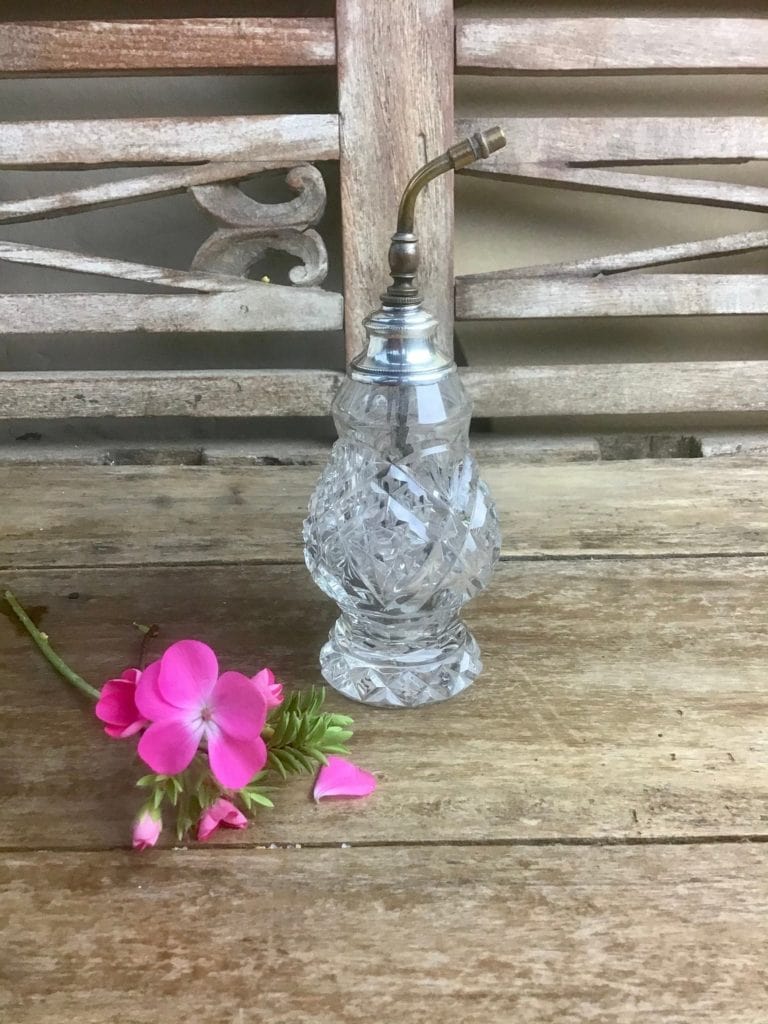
x: 234, y: 251
x: 250, y: 229
x: 233, y: 208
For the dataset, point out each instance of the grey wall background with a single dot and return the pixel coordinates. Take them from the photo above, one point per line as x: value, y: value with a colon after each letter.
x: 497, y: 224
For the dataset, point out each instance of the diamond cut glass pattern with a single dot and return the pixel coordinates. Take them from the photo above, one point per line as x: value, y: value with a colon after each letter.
x: 401, y: 532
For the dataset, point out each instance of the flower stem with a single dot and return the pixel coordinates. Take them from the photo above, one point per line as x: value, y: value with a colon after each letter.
x: 41, y: 639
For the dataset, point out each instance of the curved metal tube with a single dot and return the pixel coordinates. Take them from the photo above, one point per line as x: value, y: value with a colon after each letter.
x: 404, y: 251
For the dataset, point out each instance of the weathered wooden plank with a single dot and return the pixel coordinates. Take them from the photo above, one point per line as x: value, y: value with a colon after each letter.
x: 395, y: 57
x: 254, y: 307
x: 593, y: 46
x: 288, y: 138
x: 617, y: 140
x: 681, y: 506
x: 165, y: 44
x: 620, y: 389
x: 620, y: 699
x: 644, y: 186
x: 112, y: 193
x: 483, y: 298
x: 101, y: 266
x: 481, y: 936
x: 664, y: 255
x: 556, y: 390
x: 167, y: 392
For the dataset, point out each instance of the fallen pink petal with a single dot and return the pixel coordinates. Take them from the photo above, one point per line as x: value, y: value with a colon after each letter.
x: 221, y: 813
x: 341, y: 778
x: 116, y: 706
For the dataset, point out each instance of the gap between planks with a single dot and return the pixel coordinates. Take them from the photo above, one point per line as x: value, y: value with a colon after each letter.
x: 235, y: 846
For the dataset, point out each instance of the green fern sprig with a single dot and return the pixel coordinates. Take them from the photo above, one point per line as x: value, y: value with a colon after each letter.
x: 302, y: 735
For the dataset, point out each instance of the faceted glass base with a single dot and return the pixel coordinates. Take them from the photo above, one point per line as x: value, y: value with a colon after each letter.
x: 404, y: 672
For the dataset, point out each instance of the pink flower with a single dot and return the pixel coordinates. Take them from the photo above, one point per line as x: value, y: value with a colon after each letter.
x: 188, y: 702
x: 116, y: 706
x: 221, y: 813
x: 342, y: 778
x: 269, y: 686
x: 146, y: 830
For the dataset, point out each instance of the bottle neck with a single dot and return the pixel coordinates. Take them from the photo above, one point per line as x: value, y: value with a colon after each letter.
x: 401, y: 348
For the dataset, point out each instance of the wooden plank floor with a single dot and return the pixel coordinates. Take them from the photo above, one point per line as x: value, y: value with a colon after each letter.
x: 578, y: 838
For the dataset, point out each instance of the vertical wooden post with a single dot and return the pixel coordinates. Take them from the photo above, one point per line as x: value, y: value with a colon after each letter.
x: 395, y: 67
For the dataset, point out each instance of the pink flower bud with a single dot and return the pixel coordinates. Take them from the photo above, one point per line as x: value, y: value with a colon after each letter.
x: 270, y: 688
x: 146, y: 830
x: 116, y: 706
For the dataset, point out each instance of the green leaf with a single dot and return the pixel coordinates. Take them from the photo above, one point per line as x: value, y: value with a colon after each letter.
x: 259, y: 798
x: 146, y: 780
x: 275, y: 764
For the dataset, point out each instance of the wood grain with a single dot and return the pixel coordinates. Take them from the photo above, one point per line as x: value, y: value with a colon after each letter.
x: 253, y: 307
x: 616, y: 140
x: 594, y: 46
x: 168, y: 181
x: 662, y: 255
x: 165, y: 44
x: 82, y: 263
x: 480, y: 936
x: 596, y: 674
x: 639, y: 508
x: 646, y: 295
x: 518, y: 391
x: 644, y: 186
x: 288, y: 138
x: 396, y: 113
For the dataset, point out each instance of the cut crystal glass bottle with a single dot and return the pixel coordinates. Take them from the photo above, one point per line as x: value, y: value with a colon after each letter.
x: 401, y: 530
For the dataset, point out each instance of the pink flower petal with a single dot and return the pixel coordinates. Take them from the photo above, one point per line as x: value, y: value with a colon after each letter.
x: 122, y: 732
x: 169, y: 746
x: 117, y: 703
x: 116, y: 707
x: 342, y: 778
x: 272, y: 690
x: 149, y: 700
x: 234, y: 762
x: 131, y: 675
x: 238, y: 707
x: 221, y: 813
x: 188, y: 672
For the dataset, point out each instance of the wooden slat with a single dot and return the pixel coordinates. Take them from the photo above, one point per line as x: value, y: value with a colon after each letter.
x: 662, y: 255
x: 647, y: 508
x: 624, y: 183
x: 593, y: 46
x: 125, y: 270
x: 254, y: 307
x: 481, y: 936
x: 165, y: 44
x: 620, y: 389
x: 596, y: 674
x: 396, y: 104
x: 641, y: 140
x: 556, y: 390
x: 647, y: 295
x: 126, y: 190
x: 292, y: 138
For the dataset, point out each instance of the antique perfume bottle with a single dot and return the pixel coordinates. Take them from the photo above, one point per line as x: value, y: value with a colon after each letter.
x: 401, y: 530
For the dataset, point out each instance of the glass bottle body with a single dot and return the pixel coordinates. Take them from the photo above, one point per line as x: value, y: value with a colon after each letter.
x: 401, y: 532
